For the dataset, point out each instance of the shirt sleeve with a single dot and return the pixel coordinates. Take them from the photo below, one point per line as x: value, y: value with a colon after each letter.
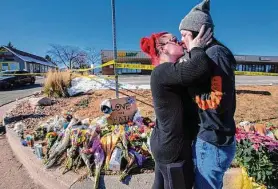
x: 186, y: 73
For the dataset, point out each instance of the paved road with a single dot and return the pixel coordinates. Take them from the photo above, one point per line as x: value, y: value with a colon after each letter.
x: 20, y: 92
x: 8, y: 96
x: 240, y: 80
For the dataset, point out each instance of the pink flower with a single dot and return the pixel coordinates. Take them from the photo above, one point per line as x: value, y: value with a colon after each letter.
x: 256, y: 146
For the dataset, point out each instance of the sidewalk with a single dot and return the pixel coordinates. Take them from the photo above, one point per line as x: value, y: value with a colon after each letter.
x: 12, y: 173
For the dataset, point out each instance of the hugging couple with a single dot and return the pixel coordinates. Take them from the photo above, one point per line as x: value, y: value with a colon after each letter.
x: 193, y: 142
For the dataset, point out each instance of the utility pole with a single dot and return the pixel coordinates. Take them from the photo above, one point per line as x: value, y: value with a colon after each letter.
x: 115, y: 47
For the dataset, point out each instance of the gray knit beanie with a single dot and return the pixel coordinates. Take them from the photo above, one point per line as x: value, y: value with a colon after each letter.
x: 198, y: 16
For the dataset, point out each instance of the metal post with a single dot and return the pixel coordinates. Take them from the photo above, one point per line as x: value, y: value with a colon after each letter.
x: 115, y: 47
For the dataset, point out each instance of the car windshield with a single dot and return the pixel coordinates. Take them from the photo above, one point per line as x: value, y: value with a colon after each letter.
x: 4, y: 73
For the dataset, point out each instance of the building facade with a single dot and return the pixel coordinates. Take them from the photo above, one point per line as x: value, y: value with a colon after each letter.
x: 257, y: 63
x: 14, y: 59
x: 244, y: 62
x: 129, y: 57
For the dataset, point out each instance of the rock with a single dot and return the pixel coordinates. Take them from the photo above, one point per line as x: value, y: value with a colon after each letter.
x: 42, y: 101
x: 19, y: 126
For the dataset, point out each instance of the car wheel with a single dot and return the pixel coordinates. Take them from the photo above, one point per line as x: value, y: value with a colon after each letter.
x: 32, y: 81
x: 10, y: 86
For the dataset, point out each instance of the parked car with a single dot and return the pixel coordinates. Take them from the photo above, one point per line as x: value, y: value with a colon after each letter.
x: 8, y: 79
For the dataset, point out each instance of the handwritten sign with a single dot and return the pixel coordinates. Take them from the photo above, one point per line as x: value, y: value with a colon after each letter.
x: 123, y: 110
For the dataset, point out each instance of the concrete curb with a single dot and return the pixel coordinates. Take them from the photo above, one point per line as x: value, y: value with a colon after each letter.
x: 49, y: 179
x: 53, y: 178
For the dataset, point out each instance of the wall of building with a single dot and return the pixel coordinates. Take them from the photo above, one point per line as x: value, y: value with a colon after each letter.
x: 9, y: 61
x: 244, y: 62
x: 20, y: 62
x: 129, y: 57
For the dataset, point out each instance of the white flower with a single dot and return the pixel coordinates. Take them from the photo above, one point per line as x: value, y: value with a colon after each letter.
x: 143, y: 135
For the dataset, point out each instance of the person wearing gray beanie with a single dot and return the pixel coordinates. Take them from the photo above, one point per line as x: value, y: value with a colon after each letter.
x: 198, y: 16
x: 215, y: 145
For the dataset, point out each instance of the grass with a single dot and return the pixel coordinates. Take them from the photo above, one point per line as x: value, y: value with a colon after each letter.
x: 56, y: 83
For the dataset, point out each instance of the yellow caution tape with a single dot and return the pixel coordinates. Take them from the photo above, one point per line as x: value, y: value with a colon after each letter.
x: 106, y: 64
x: 100, y: 66
x: 112, y: 62
x: 134, y: 66
x: 119, y: 65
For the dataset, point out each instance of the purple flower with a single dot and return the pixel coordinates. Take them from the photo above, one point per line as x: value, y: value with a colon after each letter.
x: 96, y: 144
x: 139, y: 158
x: 257, y: 139
x: 99, y: 156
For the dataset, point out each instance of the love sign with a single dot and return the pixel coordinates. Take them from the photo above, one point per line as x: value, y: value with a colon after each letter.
x: 123, y: 110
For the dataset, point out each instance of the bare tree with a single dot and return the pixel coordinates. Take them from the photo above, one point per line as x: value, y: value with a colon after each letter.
x: 65, y: 55
x: 93, y: 56
x: 74, y: 57
x: 81, y: 61
x: 49, y: 59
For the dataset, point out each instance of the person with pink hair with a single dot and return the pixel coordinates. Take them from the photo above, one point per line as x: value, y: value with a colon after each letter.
x: 172, y: 136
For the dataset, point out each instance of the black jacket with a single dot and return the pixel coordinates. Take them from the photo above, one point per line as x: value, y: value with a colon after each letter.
x: 169, y: 86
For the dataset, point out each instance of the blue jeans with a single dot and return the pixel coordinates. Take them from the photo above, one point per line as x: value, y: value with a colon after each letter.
x: 211, y: 162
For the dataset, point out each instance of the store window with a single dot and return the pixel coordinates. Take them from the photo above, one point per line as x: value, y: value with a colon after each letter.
x: 14, y: 66
x: 9, y: 66
x: 5, y: 66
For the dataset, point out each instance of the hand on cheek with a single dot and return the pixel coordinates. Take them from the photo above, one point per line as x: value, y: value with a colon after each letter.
x: 186, y: 41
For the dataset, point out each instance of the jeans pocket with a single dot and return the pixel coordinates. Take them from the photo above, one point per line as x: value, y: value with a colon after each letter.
x: 225, y: 156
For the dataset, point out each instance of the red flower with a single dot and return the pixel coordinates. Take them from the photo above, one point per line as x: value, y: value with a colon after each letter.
x: 141, y: 129
x: 133, y: 137
x: 152, y: 124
